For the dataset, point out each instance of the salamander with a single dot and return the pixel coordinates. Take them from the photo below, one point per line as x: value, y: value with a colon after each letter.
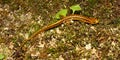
x: 67, y: 18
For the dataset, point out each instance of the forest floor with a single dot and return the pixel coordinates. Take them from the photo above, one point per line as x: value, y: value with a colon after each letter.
x: 78, y: 41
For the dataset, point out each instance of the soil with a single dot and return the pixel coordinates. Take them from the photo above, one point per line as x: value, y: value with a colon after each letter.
x: 77, y: 41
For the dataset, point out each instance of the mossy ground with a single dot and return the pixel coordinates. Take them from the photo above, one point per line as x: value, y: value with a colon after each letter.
x: 76, y: 41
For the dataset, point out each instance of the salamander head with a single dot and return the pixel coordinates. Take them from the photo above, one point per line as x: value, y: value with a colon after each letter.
x: 93, y: 21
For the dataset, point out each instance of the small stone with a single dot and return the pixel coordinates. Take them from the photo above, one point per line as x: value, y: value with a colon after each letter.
x: 6, y: 28
x: 88, y: 46
x: 60, y: 58
x: 58, y: 31
x: 113, y: 43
